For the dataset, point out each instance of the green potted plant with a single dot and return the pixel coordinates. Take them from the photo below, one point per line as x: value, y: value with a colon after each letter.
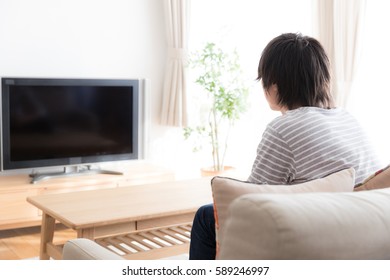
x: 219, y: 75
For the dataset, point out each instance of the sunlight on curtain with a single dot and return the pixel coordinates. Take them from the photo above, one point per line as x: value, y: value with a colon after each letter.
x: 174, y: 104
x: 338, y: 26
x: 370, y: 97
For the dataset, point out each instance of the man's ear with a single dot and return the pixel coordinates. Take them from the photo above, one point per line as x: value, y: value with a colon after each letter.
x: 273, y: 89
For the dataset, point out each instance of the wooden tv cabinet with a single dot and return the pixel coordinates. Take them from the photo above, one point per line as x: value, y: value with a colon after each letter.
x: 16, y: 212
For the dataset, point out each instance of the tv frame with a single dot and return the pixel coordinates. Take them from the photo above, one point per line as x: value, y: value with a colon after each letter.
x: 67, y: 162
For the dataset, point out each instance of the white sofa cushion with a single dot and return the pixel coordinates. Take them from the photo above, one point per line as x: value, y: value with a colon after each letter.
x: 353, y: 225
x: 225, y: 190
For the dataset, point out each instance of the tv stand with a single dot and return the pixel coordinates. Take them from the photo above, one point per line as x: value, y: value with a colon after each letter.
x: 71, y: 171
x: 16, y: 212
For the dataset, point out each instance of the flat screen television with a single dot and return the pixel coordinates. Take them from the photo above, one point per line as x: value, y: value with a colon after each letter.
x: 68, y: 122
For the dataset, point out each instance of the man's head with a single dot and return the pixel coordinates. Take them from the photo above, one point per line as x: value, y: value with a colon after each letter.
x: 298, y: 69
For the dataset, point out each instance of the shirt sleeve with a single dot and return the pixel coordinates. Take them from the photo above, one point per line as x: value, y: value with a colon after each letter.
x: 274, y: 163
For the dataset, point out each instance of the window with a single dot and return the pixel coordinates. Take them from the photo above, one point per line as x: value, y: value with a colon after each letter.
x: 247, y: 25
x: 370, y: 96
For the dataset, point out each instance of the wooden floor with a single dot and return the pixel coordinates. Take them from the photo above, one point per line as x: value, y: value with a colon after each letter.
x: 23, y: 243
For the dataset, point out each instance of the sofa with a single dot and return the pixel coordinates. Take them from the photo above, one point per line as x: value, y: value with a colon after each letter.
x: 324, y: 219
x: 307, y: 226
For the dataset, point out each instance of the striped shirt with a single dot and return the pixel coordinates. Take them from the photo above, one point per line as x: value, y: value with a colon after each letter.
x: 310, y: 143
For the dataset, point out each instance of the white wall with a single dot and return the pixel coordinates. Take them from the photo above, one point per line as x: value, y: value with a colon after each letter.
x: 87, y: 39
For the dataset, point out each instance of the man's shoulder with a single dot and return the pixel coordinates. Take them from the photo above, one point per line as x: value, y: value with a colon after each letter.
x: 307, y: 116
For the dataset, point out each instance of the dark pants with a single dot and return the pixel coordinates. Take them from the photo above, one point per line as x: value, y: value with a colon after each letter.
x: 203, y: 245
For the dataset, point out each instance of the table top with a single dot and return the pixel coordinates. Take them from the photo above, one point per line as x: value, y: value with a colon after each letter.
x: 88, y: 208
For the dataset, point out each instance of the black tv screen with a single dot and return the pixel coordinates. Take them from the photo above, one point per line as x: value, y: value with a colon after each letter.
x: 59, y: 122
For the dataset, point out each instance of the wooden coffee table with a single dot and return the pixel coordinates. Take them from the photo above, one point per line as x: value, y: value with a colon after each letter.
x: 106, y: 212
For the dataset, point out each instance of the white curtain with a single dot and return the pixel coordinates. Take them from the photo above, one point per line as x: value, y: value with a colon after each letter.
x: 174, y: 101
x: 338, y: 26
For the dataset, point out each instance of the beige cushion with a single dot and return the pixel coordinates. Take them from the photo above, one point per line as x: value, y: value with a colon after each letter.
x: 379, y: 180
x: 353, y: 225
x: 225, y: 190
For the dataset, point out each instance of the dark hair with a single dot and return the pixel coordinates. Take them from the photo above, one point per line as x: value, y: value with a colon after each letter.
x: 300, y: 68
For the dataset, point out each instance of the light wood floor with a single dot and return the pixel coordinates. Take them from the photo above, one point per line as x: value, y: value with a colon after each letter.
x: 23, y: 243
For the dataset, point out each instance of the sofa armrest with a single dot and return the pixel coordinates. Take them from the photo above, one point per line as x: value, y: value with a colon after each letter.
x: 85, y: 249
x: 305, y: 226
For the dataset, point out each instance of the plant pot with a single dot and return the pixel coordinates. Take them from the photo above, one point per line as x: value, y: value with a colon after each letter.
x: 210, y: 172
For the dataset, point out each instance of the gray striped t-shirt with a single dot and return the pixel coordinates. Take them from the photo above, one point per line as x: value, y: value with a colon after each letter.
x: 310, y: 143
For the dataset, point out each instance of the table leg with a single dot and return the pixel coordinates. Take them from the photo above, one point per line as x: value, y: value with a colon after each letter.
x: 86, y: 233
x: 47, y: 234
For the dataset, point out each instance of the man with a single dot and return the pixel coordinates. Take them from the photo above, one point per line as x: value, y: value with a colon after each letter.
x: 310, y: 140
